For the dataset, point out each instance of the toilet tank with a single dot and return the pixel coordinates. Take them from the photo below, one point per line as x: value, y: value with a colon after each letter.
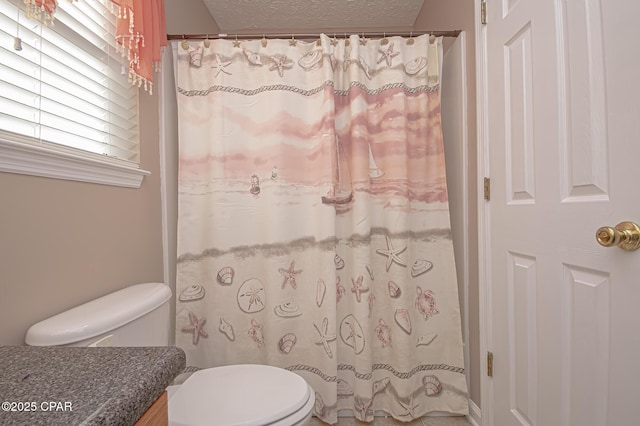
x: 134, y: 316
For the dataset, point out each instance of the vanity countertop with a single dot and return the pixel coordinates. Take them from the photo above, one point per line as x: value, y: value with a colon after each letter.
x: 89, y: 386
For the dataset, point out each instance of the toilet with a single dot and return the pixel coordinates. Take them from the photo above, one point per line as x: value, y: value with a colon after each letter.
x: 246, y: 394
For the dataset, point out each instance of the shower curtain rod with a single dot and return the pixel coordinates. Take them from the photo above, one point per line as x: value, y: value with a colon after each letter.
x: 452, y: 33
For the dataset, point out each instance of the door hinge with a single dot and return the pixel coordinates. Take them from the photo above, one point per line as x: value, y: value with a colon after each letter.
x: 483, y: 12
x: 490, y: 364
x: 487, y: 189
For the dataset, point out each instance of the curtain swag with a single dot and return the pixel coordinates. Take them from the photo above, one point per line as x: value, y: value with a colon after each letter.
x: 140, y: 33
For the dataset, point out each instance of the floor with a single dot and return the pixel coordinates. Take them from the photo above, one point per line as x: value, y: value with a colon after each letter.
x: 388, y: 421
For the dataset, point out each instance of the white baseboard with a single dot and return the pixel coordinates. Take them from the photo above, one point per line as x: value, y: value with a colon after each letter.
x: 475, y: 416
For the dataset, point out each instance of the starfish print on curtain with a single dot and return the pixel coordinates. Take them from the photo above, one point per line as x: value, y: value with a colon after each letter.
x: 196, y: 328
x: 220, y: 66
x: 392, y: 254
x: 387, y: 54
x: 325, y: 338
x: 358, y: 287
x: 280, y: 63
x: 290, y: 275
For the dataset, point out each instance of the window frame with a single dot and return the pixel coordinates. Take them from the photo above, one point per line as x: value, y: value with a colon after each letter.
x: 20, y: 155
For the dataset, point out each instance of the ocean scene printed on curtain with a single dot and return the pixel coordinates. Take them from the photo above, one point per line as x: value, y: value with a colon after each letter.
x: 313, y: 229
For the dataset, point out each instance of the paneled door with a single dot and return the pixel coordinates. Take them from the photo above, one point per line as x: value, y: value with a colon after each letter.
x: 562, y: 88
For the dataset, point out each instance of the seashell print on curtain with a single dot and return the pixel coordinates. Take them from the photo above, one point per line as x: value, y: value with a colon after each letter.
x: 313, y: 230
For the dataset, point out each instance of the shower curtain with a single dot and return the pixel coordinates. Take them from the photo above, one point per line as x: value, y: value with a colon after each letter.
x: 313, y: 229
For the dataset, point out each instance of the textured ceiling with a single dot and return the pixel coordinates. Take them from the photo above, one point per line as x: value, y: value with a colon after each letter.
x: 282, y: 15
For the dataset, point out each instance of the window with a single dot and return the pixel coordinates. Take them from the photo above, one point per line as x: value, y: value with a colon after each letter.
x: 67, y: 109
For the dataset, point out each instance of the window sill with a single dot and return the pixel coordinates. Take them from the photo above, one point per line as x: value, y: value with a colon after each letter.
x: 61, y: 163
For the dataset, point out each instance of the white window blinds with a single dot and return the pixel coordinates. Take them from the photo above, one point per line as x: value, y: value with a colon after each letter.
x: 65, y: 90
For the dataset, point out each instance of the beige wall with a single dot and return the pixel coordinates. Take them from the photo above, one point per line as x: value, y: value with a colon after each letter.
x: 63, y: 243
x: 450, y: 15
x: 189, y: 17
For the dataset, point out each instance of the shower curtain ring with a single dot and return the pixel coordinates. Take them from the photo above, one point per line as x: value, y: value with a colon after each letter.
x: 410, y: 40
x: 236, y: 43
x: 185, y: 44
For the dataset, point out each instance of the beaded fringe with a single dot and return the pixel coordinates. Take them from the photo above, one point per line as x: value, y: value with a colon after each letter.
x: 127, y: 45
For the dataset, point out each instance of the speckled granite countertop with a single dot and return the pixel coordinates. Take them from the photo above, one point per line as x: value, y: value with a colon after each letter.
x: 83, y: 386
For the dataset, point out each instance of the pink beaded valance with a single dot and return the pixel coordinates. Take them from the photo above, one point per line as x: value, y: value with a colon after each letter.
x: 140, y: 32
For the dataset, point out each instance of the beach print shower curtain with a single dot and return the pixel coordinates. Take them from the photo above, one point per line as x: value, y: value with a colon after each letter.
x: 313, y: 229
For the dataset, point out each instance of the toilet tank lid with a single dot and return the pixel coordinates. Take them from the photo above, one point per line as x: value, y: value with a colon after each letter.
x: 99, y: 315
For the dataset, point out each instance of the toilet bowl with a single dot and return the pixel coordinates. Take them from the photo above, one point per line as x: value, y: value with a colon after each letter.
x: 248, y: 394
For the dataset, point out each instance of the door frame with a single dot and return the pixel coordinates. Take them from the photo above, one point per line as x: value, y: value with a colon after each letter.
x: 484, y: 216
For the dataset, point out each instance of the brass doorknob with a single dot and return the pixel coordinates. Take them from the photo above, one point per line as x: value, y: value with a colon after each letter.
x: 625, y: 235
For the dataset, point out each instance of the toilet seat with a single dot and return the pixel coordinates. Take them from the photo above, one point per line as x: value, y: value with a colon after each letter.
x: 247, y: 395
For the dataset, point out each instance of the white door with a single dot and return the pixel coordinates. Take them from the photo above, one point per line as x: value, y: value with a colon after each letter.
x: 563, y: 154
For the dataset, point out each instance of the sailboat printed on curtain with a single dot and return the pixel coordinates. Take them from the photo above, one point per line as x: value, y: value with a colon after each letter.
x: 255, y: 185
x: 341, y: 193
x: 374, y: 171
